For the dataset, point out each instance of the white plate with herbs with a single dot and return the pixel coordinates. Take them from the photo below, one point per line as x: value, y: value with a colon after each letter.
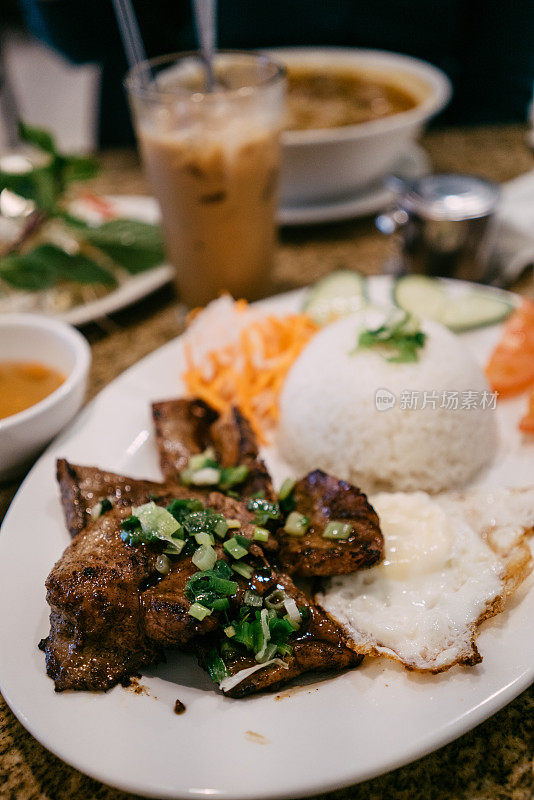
x: 77, y: 261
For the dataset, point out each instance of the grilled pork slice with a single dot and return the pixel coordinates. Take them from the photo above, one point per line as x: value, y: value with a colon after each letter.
x: 82, y: 488
x: 166, y: 604
x: 319, y: 644
x: 323, y: 499
x: 182, y: 430
x: 185, y: 428
x: 97, y: 636
x: 112, y: 610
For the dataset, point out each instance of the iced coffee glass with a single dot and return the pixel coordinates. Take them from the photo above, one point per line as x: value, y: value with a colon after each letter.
x: 212, y: 160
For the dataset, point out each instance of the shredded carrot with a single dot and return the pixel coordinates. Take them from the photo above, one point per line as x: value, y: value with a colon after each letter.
x: 250, y: 373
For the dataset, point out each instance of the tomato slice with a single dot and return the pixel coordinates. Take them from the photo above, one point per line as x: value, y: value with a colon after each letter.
x: 510, y: 369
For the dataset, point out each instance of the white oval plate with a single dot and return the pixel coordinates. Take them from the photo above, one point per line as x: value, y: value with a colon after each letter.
x: 319, y: 736
x: 136, y: 287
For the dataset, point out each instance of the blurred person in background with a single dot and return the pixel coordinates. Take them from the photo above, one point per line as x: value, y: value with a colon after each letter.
x: 486, y: 47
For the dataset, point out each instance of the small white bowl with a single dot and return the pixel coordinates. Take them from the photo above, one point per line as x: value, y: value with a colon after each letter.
x: 326, y: 164
x: 30, y: 337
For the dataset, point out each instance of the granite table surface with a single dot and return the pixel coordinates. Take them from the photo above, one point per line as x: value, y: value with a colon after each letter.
x: 494, y: 761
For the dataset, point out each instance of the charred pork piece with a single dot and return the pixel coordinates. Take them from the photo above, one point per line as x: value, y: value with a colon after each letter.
x: 333, y: 530
x: 235, y: 444
x: 288, y: 649
x: 82, y: 488
x: 182, y: 430
x: 167, y: 604
x: 116, y: 597
x: 97, y: 636
x: 188, y: 428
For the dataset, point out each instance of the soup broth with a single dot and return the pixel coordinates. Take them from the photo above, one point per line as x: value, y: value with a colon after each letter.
x: 24, y: 383
x: 330, y: 99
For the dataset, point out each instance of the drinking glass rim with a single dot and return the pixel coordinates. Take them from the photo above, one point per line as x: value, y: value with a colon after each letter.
x: 135, y: 85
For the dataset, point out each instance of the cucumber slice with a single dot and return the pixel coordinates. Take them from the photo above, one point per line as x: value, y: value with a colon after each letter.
x: 427, y: 298
x: 336, y: 295
x: 475, y: 310
x: 421, y: 296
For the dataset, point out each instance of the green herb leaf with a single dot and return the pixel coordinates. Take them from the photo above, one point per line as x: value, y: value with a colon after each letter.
x: 44, y: 266
x: 29, y: 272
x: 399, y: 339
x: 79, y: 168
x: 134, y: 245
x: 38, y: 184
x: 73, y: 267
x: 38, y: 137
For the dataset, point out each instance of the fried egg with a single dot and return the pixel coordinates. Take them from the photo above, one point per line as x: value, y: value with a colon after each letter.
x: 450, y: 562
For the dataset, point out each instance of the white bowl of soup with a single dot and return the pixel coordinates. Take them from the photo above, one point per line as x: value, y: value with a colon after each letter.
x: 351, y: 114
x: 44, y: 365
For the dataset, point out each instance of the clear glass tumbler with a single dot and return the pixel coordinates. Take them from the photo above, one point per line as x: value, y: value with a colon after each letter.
x: 212, y: 160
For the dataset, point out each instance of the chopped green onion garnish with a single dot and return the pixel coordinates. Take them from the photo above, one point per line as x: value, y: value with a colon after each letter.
x: 275, y: 600
x: 296, y: 524
x: 284, y: 649
x: 261, y: 535
x: 174, y: 548
x: 131, y: 524
x: 234, y: 548
x: 286, y: 489
x: 222, y: 569
x: 281, y: 629
x: 230, y: 631
x: 199, y: 611
x: 205, y: 557
x: 155, y: 519
x: 204, y: 538
x: 242, y: 540
x: 232, y: 476
x: 204, y: 520
x: 293, y: 613
x: 216, y: 666
x: 263, y: 510
x: 181, y: 508
x: 266, y: 653
x: 221, y: 528
x: 262, y: 637
x: 186, y: 476
x: 198, y: 461
x: 221, y: 604
x: 337, y: 530
x: 252, y: 599
x: 100, y: 508
x: 243, y: 569
x: 208, y: 476
x: 149, y: 523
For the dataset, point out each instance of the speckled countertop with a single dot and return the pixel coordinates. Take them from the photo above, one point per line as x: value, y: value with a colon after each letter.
x: 493, y: 762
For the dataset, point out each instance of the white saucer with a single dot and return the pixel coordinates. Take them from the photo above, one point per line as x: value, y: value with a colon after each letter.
x: 374, y: 198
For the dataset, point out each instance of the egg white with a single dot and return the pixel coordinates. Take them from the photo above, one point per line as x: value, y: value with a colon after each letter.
x: 449, y: 562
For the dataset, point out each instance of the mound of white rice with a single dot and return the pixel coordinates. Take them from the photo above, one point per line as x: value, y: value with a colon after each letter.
x: 330, y: 420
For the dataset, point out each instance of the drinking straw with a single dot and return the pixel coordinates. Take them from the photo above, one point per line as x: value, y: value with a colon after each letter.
x: 130, y: 33
x: 205, y: 23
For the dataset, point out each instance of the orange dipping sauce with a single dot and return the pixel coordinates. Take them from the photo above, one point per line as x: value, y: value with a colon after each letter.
x: 24, y: 383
